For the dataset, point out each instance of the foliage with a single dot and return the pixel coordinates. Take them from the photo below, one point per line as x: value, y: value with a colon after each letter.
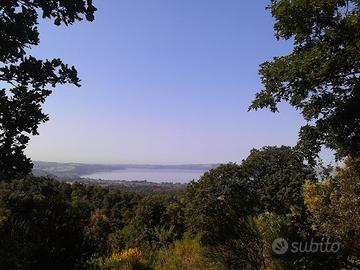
x: 218, y: 199
x: 294, y: 228
x: 229, y: 218
x: 243, y: 250
x: 98, y: 230
x: 184, y: 254
x: 27, y: 81
x: 131, y: 259
x: 270, y: 227
x: 321, y: 77
x: 278, y: 174
x: 335, y: 206
x: 39, y: 228
x: 155, y: 222
x: 46, y: 224
x: 218, y: 208
x: 238, y: 210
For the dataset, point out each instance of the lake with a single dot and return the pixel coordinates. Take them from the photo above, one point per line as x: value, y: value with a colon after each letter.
x: 151, y: 175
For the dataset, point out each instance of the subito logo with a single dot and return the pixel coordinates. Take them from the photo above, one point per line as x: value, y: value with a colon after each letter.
x: 279, y: 246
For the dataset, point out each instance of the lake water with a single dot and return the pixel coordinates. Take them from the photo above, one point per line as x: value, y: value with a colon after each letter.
x: 151, y: 175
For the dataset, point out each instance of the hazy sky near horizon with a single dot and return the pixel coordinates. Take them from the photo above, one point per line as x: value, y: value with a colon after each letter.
x: 162, y: 82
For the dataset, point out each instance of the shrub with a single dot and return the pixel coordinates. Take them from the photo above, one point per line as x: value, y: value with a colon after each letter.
x: 131, y: 259
x: 185, y: 254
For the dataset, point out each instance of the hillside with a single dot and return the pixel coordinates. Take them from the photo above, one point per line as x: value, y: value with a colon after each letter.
x: 76, y: 170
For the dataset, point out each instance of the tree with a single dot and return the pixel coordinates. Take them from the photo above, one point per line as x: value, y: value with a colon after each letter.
x: 39, y: 228
x: 219, y: 208
x: 293, y: 229
x: 148, y: 222
x: 185, y: 254
x: 26, y: 81
x: 98, y: 231
x: 278, y: 174
x: 321, y: 77
x: 218, y: 195
x: 271, y: 227
x: 334, y: 206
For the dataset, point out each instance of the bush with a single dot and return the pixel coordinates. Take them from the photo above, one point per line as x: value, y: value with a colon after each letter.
x: 131, y: 259
x: 185, y: 254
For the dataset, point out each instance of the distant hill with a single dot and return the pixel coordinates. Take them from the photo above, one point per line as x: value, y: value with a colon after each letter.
x: 76, y: 170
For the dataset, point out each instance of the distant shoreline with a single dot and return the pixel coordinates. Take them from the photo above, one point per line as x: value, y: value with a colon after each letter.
x: 130, y: 171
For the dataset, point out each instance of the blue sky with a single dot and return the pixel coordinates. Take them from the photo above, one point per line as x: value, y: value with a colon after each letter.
x: 162, y: 82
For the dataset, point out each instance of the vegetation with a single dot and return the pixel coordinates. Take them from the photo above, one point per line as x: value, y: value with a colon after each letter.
x: 26, y: 81
x: 229, y: 218
x: 129, y: 259
x: 321, y: 76
x: 334, y: 206
x: 218, y: 222
x: 185, y: 254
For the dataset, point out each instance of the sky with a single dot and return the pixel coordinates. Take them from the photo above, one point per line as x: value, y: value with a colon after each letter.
x: 163, y: 81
